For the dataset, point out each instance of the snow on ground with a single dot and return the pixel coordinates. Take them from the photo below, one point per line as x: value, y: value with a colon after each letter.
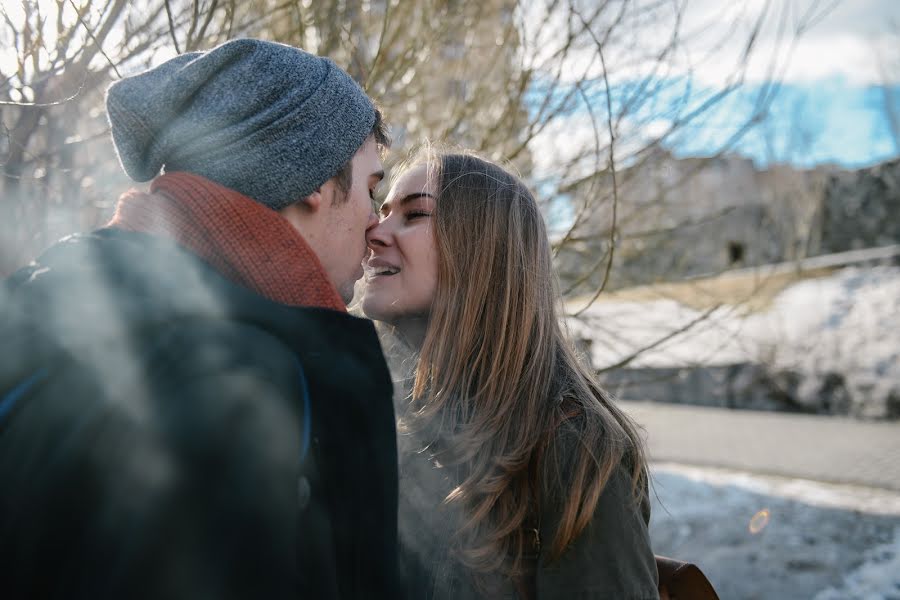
x: 764, y: 537
x: 876, y: 501
x: 848, y: 323
x: 775, y: 538
x: 877, y: 577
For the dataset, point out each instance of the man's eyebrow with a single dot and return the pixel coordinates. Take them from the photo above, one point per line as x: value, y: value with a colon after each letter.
x: 404, y: 200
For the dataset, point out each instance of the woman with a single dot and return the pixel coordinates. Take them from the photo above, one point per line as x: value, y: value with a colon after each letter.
x: 519, y: 476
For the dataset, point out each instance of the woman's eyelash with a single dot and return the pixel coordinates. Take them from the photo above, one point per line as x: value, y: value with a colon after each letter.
x: 415, y: 213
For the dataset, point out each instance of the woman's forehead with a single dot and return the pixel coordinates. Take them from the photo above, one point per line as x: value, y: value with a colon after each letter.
x: 412, y: 181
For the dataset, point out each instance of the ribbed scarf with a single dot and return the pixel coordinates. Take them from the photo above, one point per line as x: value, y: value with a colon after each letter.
x: 243, y: 240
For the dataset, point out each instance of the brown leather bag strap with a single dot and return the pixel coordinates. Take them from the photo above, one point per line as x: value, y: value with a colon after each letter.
x: 683, y: 581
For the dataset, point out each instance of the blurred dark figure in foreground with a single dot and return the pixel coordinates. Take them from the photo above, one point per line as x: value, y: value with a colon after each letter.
x: 186, y: 408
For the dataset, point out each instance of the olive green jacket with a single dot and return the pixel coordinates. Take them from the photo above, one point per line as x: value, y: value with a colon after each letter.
x: 611, y: 558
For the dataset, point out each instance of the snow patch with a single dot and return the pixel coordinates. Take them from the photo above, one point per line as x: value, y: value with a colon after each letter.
x: 878, y: 578
x: 814, y: 493
x: 847, y: 323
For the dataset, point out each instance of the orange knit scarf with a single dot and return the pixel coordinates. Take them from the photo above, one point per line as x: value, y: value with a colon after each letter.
x: 243, y: 240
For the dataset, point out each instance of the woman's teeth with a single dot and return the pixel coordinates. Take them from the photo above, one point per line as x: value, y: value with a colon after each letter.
x: 380, y: 271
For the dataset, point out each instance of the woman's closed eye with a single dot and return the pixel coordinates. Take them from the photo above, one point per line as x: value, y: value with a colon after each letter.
x: 417, y: 214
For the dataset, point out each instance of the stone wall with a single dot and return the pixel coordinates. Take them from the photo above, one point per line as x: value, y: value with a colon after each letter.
x: 681, y: 218
x: 862, y: 209
x: 749, y: 386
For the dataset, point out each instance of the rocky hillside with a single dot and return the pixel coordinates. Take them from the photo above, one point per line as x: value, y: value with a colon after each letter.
x: 862, y: 209
x: 681, y: 218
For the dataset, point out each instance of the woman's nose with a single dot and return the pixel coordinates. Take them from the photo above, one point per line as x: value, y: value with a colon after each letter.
x: 378, y: 235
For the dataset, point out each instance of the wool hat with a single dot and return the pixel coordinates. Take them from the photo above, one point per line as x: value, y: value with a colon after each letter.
x: 268, y: 120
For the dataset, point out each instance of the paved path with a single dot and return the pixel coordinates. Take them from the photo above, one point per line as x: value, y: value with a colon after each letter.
x: 821, y: 448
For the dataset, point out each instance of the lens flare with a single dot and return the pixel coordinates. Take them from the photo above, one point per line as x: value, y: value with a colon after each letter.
x: 759, y: 521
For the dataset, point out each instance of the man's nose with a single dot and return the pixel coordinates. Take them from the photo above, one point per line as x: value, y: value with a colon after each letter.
x: 373, y: 221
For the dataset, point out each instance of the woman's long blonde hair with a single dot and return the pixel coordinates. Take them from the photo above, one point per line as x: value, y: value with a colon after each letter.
x: 497, y: 378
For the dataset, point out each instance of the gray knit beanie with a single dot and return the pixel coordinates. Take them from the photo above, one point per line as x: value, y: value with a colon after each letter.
x: 268, y: 120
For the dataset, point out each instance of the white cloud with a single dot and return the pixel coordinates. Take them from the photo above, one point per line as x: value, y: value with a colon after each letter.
x: 846, y: 41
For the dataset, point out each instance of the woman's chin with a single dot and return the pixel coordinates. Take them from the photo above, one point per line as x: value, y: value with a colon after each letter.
x: 378, y: 309
x: 393, y: 312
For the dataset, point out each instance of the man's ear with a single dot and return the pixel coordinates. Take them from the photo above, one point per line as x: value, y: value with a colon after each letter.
x: 313, y: 202
x: 300, y: 213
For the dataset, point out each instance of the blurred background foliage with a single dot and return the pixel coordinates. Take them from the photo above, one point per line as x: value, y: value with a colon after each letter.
x: 513, y: 80
x: 623, y: 115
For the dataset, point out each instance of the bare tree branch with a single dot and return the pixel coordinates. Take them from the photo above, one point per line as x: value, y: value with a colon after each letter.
x: 98, y: 42
x: 172, y: 26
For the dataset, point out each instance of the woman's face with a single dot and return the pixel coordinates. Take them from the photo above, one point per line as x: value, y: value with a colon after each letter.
x: 401, y: 274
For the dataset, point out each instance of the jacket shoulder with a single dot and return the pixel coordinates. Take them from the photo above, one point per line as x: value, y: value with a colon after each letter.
x: 612, y: 557
x: 202, y: 347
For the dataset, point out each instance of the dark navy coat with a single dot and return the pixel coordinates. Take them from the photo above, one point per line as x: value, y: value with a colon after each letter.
x: 165, y: 433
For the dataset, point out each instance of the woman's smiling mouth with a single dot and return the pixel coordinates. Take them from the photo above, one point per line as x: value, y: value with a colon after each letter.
x: 379, y: 268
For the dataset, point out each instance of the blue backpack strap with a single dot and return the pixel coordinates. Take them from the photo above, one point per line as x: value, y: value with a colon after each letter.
x: 11, y: 398
x: 306, y: 427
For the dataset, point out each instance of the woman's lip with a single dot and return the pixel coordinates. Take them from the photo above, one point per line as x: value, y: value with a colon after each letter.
x: 375, y: 276
x: 378, y: 263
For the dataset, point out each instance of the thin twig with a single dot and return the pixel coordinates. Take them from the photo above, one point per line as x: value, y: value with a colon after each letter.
x: 209, y: 16
x: 46, y: 104
x: 660, y: 341
x: 376, y: 62
x: 612, y: 169
x: 195, y: 16
x: 172, y: 26
x: 96, y: 41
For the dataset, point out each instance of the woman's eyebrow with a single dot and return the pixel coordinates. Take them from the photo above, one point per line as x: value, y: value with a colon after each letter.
x: 386, y: 207
x: 410, y: 197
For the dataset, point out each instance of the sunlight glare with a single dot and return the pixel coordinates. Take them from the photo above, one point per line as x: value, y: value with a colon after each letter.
x: 759, y: 521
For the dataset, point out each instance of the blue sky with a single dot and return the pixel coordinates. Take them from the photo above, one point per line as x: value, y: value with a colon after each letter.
x: 830, y: 106
x: 831, y: 121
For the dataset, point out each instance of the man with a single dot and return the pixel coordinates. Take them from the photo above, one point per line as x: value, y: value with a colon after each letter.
x: 186, y: 408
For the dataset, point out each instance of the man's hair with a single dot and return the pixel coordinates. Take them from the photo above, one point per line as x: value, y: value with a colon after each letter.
x: 344, y: 177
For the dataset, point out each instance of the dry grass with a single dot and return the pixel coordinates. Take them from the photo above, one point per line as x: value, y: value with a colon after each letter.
x: 753, y: 291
